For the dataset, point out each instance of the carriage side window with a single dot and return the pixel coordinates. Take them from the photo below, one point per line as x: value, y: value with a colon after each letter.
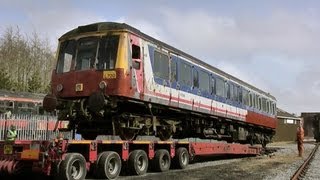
x: 240, y: 94
x: 213, y: 86
x: 204, y: 81
x: 195, y: 78
x: 227, y: 86
x: 272, y: 108
x: 254, y: 105
x: 220, y: 87
x: 251, y: 104
x: 235, y: 93
x: 260, y: 103
x: 245, y: 97
x: 173, y: 72
x: 66, y: 55
x: 135, y: 55
x: 257, y: 105
x: 264, y: 104
x: 135, y: 51
x: 231, y: 95
x: 161, y: 65
x: 8, y: 103
x: 185, y: 74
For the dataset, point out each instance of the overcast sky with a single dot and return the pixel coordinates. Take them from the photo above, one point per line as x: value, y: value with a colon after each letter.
x: 272, y: 45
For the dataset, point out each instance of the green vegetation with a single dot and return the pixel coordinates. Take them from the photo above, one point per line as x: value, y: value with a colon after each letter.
x: 26, y: 61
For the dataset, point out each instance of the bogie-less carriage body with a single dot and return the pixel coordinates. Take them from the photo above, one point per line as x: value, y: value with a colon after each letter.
x: 111, y: 78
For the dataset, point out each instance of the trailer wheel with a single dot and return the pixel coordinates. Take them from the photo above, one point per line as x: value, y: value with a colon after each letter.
x: 181, y: 159
x: 73, y: 167
x: 161, y: 161
x: 138, y: 162
x: 108, y: 165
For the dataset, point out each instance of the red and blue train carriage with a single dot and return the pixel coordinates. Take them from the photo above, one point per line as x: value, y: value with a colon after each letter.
x: 112, y: 78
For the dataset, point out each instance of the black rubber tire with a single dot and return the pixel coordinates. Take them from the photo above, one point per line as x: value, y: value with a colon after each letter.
x: 103, y: 170
x: 164, y: 134
x: 161, y: 161
x: 66, y: 167
x: 138, y: 162
x: 181, y: 158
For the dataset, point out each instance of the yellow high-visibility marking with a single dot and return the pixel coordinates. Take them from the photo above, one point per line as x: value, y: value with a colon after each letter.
x: 7, y: 149
x: 141, y: 142
x: 122, y: 57
x: 30, y: 154
x: 183, y: 142
x: 112, y: 142
x: 165, y: 142
x: 80, y: 142
x: 109, y: 75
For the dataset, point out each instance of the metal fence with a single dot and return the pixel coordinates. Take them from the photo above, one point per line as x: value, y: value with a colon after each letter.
x: 33, y: 127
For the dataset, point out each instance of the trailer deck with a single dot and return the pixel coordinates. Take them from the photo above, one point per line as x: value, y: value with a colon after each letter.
x: 72, y: 159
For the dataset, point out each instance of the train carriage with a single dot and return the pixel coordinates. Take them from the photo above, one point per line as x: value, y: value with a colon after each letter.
x: 111, y: 78
x: 21, y: 102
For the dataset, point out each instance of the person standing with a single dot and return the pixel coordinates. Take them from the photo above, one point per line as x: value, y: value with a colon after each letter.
x: 12, y: 134
x: 300, y: 137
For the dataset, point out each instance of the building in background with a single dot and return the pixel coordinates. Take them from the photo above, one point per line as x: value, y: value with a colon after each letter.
x: 308, y: 118
x: 287, y: 126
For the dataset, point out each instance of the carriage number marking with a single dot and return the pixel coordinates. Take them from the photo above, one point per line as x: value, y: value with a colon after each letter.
x: 109, y: 75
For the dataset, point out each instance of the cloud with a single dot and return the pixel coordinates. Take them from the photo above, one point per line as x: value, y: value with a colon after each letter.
x: 144, y: 26
x: 230, y: 37
x: 52, y: 19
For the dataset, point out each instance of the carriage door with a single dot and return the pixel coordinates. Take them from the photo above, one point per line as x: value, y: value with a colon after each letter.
x: 137, y: 62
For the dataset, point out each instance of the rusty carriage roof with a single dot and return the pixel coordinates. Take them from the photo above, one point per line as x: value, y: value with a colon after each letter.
x: 113, y: 26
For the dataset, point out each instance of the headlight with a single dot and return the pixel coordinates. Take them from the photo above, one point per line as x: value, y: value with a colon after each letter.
x: 59, y: 87
x: 102, y: 85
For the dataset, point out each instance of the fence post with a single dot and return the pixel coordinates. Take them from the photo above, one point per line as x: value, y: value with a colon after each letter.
x: 5, y: 126
x: 47, y: 129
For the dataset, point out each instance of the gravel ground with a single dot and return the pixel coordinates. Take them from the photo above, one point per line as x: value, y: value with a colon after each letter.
x: 278, y: 165
x: 289, y: 154
x: 313, y: 171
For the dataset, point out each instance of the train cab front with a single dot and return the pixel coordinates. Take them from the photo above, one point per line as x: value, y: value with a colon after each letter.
x: 91, y: 65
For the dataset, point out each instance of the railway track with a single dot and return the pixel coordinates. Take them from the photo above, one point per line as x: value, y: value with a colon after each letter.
x: 302, y: 171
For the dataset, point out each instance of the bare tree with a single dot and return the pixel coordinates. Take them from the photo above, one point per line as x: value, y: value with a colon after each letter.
x: 26, y: 59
